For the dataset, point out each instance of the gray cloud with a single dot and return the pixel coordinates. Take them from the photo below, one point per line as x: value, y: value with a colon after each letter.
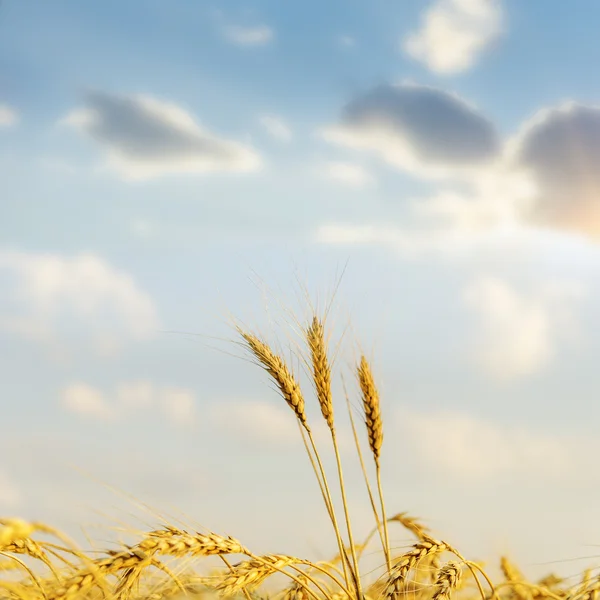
x: 417, y: 128
x: 146, y: 137
x: 560, y: 150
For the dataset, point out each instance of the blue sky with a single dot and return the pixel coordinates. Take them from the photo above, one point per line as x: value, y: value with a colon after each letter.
x: 166, y: 164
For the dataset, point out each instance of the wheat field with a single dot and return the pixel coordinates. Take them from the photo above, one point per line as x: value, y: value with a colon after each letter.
x: 39, y: 562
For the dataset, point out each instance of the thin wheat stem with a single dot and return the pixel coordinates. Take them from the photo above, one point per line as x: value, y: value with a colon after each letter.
x: 347, y: 516
x: 383, y: 518
x: 329, y: 503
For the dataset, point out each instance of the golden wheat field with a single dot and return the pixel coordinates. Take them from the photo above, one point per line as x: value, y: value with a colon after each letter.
x: 39, y: 562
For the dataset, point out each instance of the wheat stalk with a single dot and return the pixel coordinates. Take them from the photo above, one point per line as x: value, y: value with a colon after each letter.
x: 315, y: 335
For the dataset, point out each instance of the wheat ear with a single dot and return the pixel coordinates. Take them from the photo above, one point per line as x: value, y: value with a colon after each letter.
x: 448, y: 578
x: 315, y: 335
x: 370, y: 398
x: 408, y: 561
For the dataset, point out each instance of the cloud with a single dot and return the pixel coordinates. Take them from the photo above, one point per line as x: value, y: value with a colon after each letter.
x: 135, y: 395
x: 142, y: 228
x: 419, y: 129
x: 518, y: 333
x: 178, y: 405
x: 146, y: 138
x: 346, y: 41
x: 248, y: 36
x: 270, y: 425
x: 454, y: 33
x: 49, y: 297
x: 542, y: 179
x: 276, y: 127
x: 465, y: 447
x: 87, y: 401
x: 560, y: 149
x: 10, y: 494
x: 8, y: 116
x: 258, y: 421
x: 348, y: 173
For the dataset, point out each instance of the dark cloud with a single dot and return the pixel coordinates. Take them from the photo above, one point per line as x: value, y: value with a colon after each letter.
x: 417, y: 128
x: 146, y: 137
x: 560, y: 148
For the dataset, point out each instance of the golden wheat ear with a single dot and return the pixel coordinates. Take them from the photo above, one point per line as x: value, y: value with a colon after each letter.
x: 447, y: 580
x: 374, y: 424
x: 277, y: 369
x: 321, y: 371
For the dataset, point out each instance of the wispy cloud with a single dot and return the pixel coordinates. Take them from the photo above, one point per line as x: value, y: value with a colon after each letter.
x: 518, y: 333
x: 8, y: 116
x: 146, y: 138
x: 454, y: 33
x: 87, y: 401
x: 129, y: 398
x: 259, y: 35
x: 105, y: 302
x: 179, y: 405
x: 472, y: 449
x: 268, y: 424
x: 346, y: 41
x: 276, y: 127
x: 349, y: 174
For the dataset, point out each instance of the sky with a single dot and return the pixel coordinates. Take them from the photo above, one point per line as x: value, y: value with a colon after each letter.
x: 170, y: 167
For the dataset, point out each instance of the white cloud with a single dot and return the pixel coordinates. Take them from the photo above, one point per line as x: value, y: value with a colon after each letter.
x: 348, y: 173
x: 454, y: 33
x: 142, y: 228
x: 10, y: 494
x: 346, y: 41
x: 271, y: 424
x: 129, y: 398
x: 276, y: 127
x: 519, y: 333
x: 8, y: 116
x: 464, y: 447
x: 146, y: 138
x: 87, y: 401
x: 425, y: 131
x: 248, y: 36
x: 48, y: 296
x: 258, y: 421
x: 135, y: 395
x: 179, y: 405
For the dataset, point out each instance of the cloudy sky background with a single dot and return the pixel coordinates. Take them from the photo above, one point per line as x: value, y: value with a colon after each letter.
x: 167, y: 164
